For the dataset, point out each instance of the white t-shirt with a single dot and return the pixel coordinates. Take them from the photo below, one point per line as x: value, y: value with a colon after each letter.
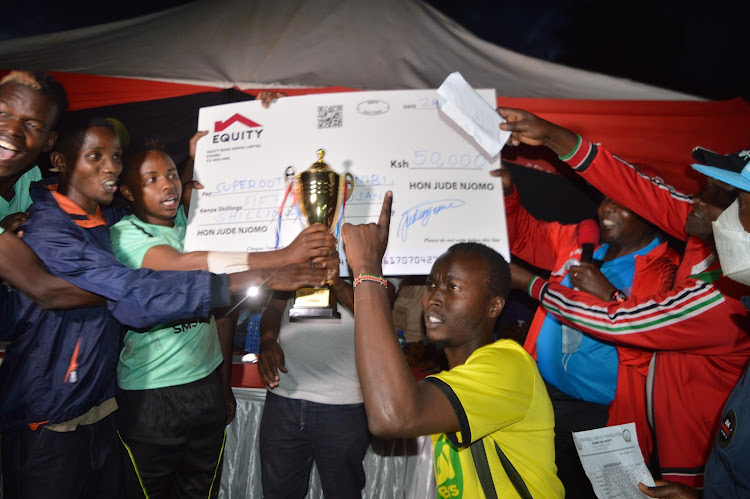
x: 320, y: 361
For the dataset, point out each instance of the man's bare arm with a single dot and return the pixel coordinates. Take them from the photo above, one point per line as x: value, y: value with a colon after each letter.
x: 396, y: 404
x: 23, y: 270
x: 530, y: 129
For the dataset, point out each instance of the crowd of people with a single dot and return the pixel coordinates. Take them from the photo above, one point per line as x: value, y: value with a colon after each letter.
x: 116, y: 379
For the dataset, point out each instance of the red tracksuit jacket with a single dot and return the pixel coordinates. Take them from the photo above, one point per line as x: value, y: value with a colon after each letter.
x: 550, y: 245
x: 699, y: 329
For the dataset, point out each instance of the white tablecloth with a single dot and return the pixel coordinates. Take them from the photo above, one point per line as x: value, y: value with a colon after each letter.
x: 395, y: 468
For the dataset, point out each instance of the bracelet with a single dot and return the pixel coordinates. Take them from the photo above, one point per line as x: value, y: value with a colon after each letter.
x: 371, y: 278
x: 566, y: 157
x: 618, y: 296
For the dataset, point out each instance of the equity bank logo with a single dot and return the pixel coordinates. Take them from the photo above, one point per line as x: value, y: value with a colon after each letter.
x: 239, y: 132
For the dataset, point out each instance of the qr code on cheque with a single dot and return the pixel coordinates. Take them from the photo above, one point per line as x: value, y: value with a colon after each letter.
x: 330, y: 116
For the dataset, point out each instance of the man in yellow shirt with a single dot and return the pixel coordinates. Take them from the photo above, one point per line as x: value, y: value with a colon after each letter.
x: 489, y: 415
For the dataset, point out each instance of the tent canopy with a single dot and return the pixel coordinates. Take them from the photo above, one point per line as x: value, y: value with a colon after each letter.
x: 391, y: 44
x: 205, y: 47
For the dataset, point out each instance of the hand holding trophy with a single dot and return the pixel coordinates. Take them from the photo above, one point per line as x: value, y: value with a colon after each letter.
x: 321, y: 194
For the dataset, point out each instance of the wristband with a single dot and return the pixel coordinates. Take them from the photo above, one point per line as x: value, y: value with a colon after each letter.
x: 618, y: 296
x: 566, y: 157
x: 226, y: 262
x: 369, y: 278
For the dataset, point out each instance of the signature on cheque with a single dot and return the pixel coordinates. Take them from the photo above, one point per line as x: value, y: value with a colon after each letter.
x: 423, y: 212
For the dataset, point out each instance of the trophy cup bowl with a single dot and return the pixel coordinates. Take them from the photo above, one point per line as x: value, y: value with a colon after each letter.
x: 320, y: 194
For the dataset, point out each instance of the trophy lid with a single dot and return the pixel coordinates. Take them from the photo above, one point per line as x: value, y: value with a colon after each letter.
x: 320, y: 165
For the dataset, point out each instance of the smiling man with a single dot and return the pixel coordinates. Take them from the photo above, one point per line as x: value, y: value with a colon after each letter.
x: 31, y: 104
x: 489, y: 415
x: 57, y: 379
x: 591, y: 382
x: 697, y: 329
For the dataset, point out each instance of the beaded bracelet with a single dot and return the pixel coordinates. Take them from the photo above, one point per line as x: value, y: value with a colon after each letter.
x: 618, y: 296
x: 371, y: 278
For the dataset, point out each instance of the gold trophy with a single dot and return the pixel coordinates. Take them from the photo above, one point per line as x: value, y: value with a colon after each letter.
x: 320, y: 194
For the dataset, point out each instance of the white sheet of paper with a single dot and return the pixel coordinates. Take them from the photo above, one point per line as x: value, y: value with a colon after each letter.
x: 461, y: 103
x: 613, y: 462
x: 388, y: 140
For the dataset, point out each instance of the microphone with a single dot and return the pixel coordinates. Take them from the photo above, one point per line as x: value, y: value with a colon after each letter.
x: 588, y: 237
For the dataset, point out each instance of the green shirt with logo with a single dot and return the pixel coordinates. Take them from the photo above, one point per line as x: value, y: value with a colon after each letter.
x: 169, y: 354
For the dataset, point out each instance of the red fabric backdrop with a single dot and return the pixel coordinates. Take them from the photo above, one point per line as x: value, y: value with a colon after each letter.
x: 660, y: 134
x: 657, y: 133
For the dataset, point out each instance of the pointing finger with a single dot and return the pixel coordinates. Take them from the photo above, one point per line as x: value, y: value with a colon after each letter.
x: 385, y: 214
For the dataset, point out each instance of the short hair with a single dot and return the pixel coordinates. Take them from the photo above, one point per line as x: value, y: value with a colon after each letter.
x: 138, y: 147
x: 45, y: 84
x: 498, y: 280
x: 73, y: 129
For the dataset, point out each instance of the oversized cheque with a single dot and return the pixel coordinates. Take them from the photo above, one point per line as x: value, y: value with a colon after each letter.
x: 389, y: 140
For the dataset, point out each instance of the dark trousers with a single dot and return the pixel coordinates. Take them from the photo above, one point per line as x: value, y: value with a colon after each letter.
x: 173, y: 439
x: 573, y: 415
x: 80, y: 464
x: 294, y: 433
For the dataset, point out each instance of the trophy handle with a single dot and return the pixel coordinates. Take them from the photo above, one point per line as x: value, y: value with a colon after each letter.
x: 349, y: 180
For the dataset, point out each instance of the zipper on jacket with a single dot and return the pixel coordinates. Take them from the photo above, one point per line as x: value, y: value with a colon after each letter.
x: 71, y: 376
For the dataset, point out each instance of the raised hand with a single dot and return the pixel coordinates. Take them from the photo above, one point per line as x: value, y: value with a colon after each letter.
x: 588, y: 278
x: 266, y: 97
x: 365, y: 244
x: 194, y: 142
x: 530, y: 129
x: 186, y: 176
x: 315, y: 242
x: 505, y: 178
x: 525, y: 127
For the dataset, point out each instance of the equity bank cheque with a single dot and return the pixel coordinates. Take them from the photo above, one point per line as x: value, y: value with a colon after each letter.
x: 388, y: 140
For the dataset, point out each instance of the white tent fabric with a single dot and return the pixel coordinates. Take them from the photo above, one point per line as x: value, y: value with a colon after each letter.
x: 390, y: 44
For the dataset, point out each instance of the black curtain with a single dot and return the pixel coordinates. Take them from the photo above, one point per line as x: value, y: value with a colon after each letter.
x: 173, y: 121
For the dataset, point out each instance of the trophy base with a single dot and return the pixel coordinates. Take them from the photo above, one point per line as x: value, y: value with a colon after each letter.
x: 314, y: 314
x: 314, y: 305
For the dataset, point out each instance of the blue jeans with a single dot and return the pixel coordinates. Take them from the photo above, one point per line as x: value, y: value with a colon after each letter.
x: 294, y: 433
